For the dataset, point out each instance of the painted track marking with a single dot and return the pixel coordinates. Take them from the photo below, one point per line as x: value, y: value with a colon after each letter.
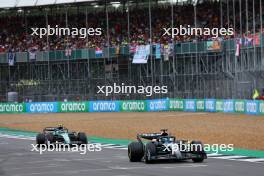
x: 122, y: 147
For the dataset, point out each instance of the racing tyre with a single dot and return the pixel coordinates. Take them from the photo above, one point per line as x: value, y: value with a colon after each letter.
x: 135, y: 151
x: 49, y: 138
x: 198, y: 160
x: 150, y: 151
x: 40, y: 139
x: 82, y: 138
x: 198, y: 150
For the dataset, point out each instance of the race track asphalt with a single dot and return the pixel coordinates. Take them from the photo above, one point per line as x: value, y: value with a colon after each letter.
x: 17, y: 159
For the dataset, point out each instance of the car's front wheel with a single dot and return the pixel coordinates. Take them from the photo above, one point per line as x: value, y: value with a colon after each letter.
x: 40, y: 139
x: 150, y: 151
x: 49, y: 138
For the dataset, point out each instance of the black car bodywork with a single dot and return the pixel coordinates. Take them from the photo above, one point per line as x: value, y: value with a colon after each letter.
x: 164, y: 146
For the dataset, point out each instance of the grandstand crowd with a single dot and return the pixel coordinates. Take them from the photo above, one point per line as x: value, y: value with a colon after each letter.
x: 15, y: 33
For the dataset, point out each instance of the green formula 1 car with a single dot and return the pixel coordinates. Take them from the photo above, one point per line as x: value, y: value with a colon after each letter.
x: 60, y: 135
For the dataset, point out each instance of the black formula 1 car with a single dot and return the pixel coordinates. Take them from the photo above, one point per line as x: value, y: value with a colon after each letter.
x: 164, y: 146
x: 60, y: 135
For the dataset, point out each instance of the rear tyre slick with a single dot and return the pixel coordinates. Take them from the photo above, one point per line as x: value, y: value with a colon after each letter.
x: 135, y: 151
x: 197, y: 160
x: 198, y: 151
x: 82, y: 138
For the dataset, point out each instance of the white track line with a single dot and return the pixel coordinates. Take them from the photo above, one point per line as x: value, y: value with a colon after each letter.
x: 111, y: 147
x: 16, y: 137
x: 106, y: 145
x: 213, y: 154
x: 229, y: 157
x: 122, y: 147
x: 252, y: 160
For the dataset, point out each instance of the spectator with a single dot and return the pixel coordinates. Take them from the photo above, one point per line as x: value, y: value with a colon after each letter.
x: 15, y: 30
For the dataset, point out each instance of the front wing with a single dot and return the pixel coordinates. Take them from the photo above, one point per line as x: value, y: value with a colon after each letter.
x: 182, y: 156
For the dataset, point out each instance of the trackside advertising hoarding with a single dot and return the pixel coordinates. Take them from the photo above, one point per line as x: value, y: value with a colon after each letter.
x: 104, y: 106
x: 133, y: 106
x: 219, y: 105
x: 240, y: 106
x: 261, y: 107
x: 73, y: 106
x: 200, y: 105
x: 252, y: 107
x: 210, y: 105
x: 42, y: 107
x: 12, y: 108
x: 176, y: 104
x: 229, y: 106
x: 157, y: 105
x: 190, y: 105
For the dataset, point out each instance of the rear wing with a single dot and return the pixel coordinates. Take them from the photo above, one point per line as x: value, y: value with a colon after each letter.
x: 49, y: 129
x: 149, y: 136
x: 52, y: 129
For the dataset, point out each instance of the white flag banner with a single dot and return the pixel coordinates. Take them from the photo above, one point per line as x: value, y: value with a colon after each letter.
x: 68, y: 52
x: 32, y: 55
x: 237, y: 50
x: 142, y: 54
x: 238, y: 47
x: 167, y: 52
x: 147, y: 49
x: 11, y: 58
x: 32, y: 52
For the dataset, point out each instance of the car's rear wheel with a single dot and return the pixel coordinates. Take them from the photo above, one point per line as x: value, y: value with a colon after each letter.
x: 135, y: 151
x: 150, y: 151
x: 197, y: 149
x: 40, y: 139
x: 82, y: 138
x: 198, y: 160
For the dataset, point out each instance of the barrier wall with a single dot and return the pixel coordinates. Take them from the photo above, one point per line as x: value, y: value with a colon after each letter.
x: 254, y: 107
x: 89, y: 53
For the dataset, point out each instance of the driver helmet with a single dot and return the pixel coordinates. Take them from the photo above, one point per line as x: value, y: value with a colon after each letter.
x: 60, y: 127
x: 164, y: 132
